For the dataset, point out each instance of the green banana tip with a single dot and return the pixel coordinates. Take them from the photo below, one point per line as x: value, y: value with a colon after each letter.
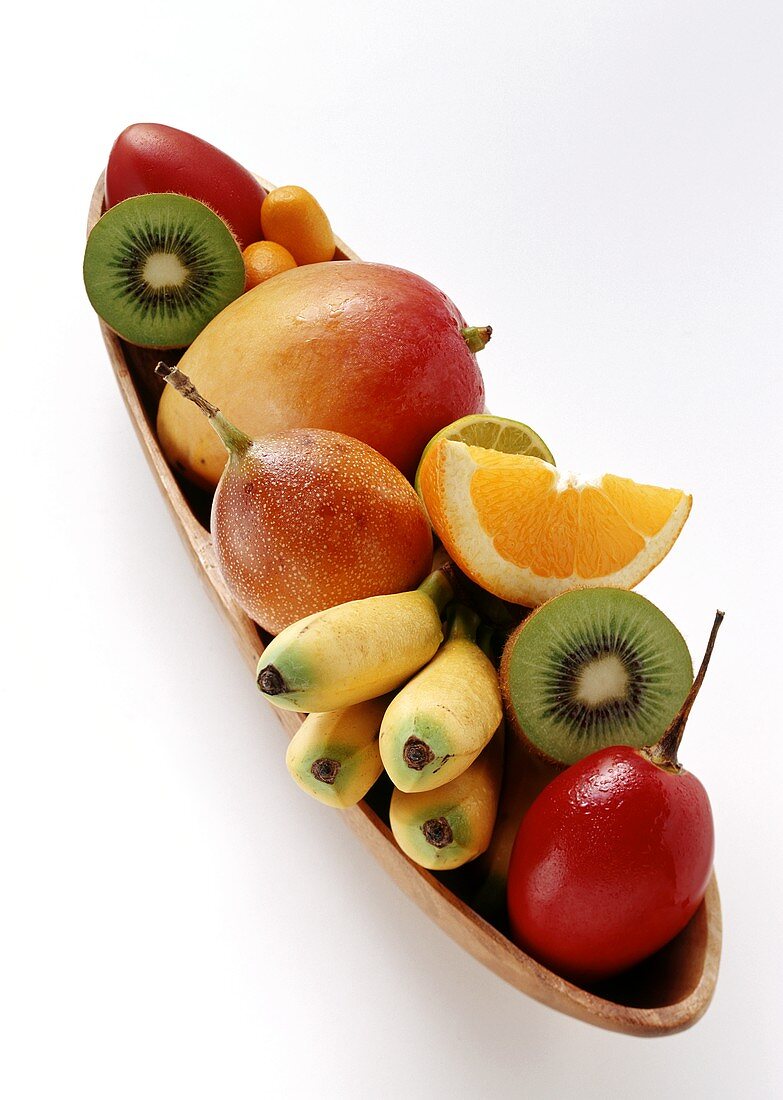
x: 462, y: 622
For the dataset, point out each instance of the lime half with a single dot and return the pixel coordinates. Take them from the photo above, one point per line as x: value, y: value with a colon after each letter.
x: 495, y: 433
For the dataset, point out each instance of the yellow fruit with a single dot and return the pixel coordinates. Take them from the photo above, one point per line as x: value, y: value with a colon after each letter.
x: 334, y: 757
x: 263, y: 259
x: 292, y: 217
x: 526, y: 531
x: 437, y: 725
x: 354, y: 651
x: 447, y: 827
x: 524, y: 777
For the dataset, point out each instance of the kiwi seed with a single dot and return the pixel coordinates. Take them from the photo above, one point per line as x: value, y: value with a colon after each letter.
x: 158, y: 268
x: 594, y: 667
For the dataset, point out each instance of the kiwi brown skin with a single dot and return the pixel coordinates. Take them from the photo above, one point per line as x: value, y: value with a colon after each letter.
x: 503, y: 671
x: 508, y: 706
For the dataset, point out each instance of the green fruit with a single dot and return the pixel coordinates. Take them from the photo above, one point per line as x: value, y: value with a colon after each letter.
x: 495, y: 433
x: 591, y: 668
x: 158, y: 268
x: 354, y: 651
x: 334, y: 756
x: 447, y: 827
x: 438, y: 723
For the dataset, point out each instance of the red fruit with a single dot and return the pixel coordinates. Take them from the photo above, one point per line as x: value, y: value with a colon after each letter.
x: 150, y: 158
x: 610, y: 862
x: 613, y: 858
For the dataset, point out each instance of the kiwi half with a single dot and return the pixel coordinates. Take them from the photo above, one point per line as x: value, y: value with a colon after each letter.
x: 158, y: 268
x: 594, y: 667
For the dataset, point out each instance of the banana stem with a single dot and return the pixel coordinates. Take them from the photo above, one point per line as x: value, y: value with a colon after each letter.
x: 484, y: 638
x: 463, y: 623
x: 235, y: 441
x: 439, y: 589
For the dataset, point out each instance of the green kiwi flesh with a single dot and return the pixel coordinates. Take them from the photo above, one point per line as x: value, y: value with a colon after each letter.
x: 158, y: 268
x: 591, y: 668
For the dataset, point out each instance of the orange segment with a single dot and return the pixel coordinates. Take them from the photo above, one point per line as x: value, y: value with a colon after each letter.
x: 606, y: 543
x: 526, y: 531
x: 646, y: 506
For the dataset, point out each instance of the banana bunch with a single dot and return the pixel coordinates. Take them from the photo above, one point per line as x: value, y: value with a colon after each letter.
x: 383, y: 689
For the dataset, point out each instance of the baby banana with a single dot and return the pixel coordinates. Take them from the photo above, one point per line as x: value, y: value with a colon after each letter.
x: 445, y: 828
x: 334, y: 756
x: 438, y: 724
x: 355, y: 651
x: 524, y: 777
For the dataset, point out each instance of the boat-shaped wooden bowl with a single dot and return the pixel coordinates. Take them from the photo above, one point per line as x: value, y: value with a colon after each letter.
x: 666, y: 993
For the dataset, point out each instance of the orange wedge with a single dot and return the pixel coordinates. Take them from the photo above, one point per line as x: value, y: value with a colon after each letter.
x: 525, y: 531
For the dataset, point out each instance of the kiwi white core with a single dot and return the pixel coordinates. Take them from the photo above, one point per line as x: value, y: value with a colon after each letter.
x: 595, y: 667
x: 602, y: 681
x: 164, y: 269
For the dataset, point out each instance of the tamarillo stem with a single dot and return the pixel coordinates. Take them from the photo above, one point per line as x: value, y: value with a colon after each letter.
x: 664, y: 753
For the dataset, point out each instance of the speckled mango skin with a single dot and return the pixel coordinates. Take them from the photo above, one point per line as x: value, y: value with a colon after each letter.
x: 308, y: 519
x: 366, y: 349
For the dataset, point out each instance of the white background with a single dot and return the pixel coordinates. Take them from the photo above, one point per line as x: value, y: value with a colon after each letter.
x: 602, y: 183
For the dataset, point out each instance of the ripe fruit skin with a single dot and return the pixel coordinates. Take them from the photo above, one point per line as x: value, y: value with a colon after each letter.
x: 610, y: 863
x: 334, y: 756
x: 449, y: 710
x: 294, y: 218
x: 263, y: 260
x: 445, y: 828
x: 354, y: 651
x: 308, y: 519
x: 148, y: 157
x: 365, y: 349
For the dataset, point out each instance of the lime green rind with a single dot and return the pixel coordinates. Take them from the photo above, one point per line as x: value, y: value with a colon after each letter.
x: 495, y: 433
x: 597, y: 612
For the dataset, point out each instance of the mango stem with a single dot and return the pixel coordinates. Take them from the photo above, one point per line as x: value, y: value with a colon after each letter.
x: 463, y: 623
x: 476, y: 338
x: 439, y: 589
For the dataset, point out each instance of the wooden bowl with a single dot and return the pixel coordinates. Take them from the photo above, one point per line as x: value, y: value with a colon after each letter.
x: 667, y: 993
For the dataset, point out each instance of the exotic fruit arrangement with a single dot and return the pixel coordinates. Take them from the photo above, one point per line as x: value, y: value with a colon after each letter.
x: 450, y: 611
